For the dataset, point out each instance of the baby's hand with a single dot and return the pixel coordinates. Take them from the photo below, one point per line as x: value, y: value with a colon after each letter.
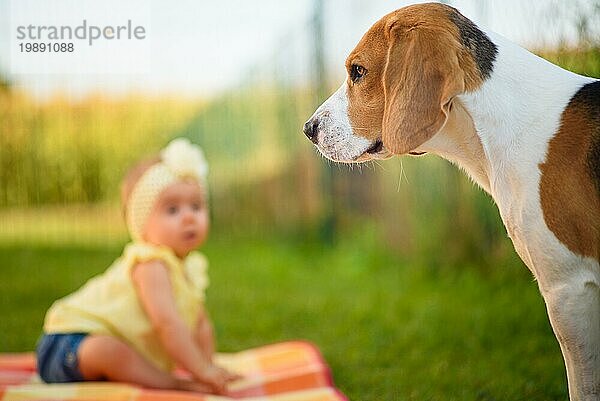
x: 191, y: 385
x: 218, y: 378
x: 230, y: 376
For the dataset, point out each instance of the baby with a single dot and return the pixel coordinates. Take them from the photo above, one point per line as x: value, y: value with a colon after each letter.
x: 145, y: 314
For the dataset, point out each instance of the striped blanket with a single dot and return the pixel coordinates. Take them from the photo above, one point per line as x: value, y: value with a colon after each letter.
x: 289, y: 371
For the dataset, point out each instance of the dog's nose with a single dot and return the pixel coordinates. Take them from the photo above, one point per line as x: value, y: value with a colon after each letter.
x: 311, y: 129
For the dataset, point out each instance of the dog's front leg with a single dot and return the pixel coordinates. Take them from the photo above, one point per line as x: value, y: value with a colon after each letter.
x: 574, y: 311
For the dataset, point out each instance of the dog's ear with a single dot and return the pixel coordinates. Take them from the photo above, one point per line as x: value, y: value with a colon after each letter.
x: 421, y: 77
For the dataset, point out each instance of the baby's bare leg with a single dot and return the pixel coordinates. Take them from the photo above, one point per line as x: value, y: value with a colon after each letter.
x: 108, y: 358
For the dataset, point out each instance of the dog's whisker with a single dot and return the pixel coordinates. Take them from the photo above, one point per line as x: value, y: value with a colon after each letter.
x: 377, y: 163
x: 405, y: 176
x: 402, y: 174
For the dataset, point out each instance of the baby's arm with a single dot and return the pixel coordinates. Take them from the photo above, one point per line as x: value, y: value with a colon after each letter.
x: 204, y: 335
x: 205, y: 339
x: 156, y: 295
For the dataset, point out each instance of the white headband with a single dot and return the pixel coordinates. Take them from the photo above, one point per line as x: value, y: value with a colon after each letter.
x: 179, y: 160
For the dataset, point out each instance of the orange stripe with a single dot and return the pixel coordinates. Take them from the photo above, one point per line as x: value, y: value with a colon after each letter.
x: 295, y: 383
x: 160, y: 395
x: 18, y: 361
x: 294, y: 356
x: 12, y: 377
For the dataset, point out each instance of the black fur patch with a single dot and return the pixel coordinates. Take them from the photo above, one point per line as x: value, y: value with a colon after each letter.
x: 588, y: 99
x: 484, y: 51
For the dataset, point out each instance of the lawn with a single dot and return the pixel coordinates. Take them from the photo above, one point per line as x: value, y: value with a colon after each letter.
x: 390, y: 328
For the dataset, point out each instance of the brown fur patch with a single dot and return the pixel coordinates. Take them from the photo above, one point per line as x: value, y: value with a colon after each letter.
x: 365, y: 98
x: 416, y: 61
x: 570, y: 183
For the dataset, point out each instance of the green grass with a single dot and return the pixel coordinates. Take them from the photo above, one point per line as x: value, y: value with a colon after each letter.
x: 391, y: 329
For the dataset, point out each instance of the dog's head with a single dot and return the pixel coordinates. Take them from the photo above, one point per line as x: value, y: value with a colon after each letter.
x: 402, y: 78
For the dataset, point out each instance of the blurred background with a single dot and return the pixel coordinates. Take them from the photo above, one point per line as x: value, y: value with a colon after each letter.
x: 400, y: 267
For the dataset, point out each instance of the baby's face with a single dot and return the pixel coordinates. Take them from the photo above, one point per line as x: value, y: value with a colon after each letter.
x: 179, y: 218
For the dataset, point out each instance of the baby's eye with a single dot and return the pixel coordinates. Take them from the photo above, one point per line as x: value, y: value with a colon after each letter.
x: 172, y: 209
x: 198, y: 206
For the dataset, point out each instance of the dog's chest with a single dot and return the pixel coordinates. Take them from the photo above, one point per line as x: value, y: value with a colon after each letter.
x: 517, y: 197
x: 543, y: 253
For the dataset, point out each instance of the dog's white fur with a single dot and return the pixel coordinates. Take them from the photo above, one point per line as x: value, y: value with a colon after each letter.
x: 516, y: 112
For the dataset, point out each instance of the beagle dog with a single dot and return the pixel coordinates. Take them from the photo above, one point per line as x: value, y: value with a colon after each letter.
x: 426, y: 79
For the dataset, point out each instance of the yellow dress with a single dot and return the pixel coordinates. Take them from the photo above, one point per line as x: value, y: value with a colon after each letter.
x: 108, y: 303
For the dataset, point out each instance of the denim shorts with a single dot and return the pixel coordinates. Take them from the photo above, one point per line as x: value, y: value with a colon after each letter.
x: 57, y: 357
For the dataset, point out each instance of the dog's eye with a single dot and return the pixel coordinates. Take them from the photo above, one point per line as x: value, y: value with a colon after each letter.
x: 357, y: 72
